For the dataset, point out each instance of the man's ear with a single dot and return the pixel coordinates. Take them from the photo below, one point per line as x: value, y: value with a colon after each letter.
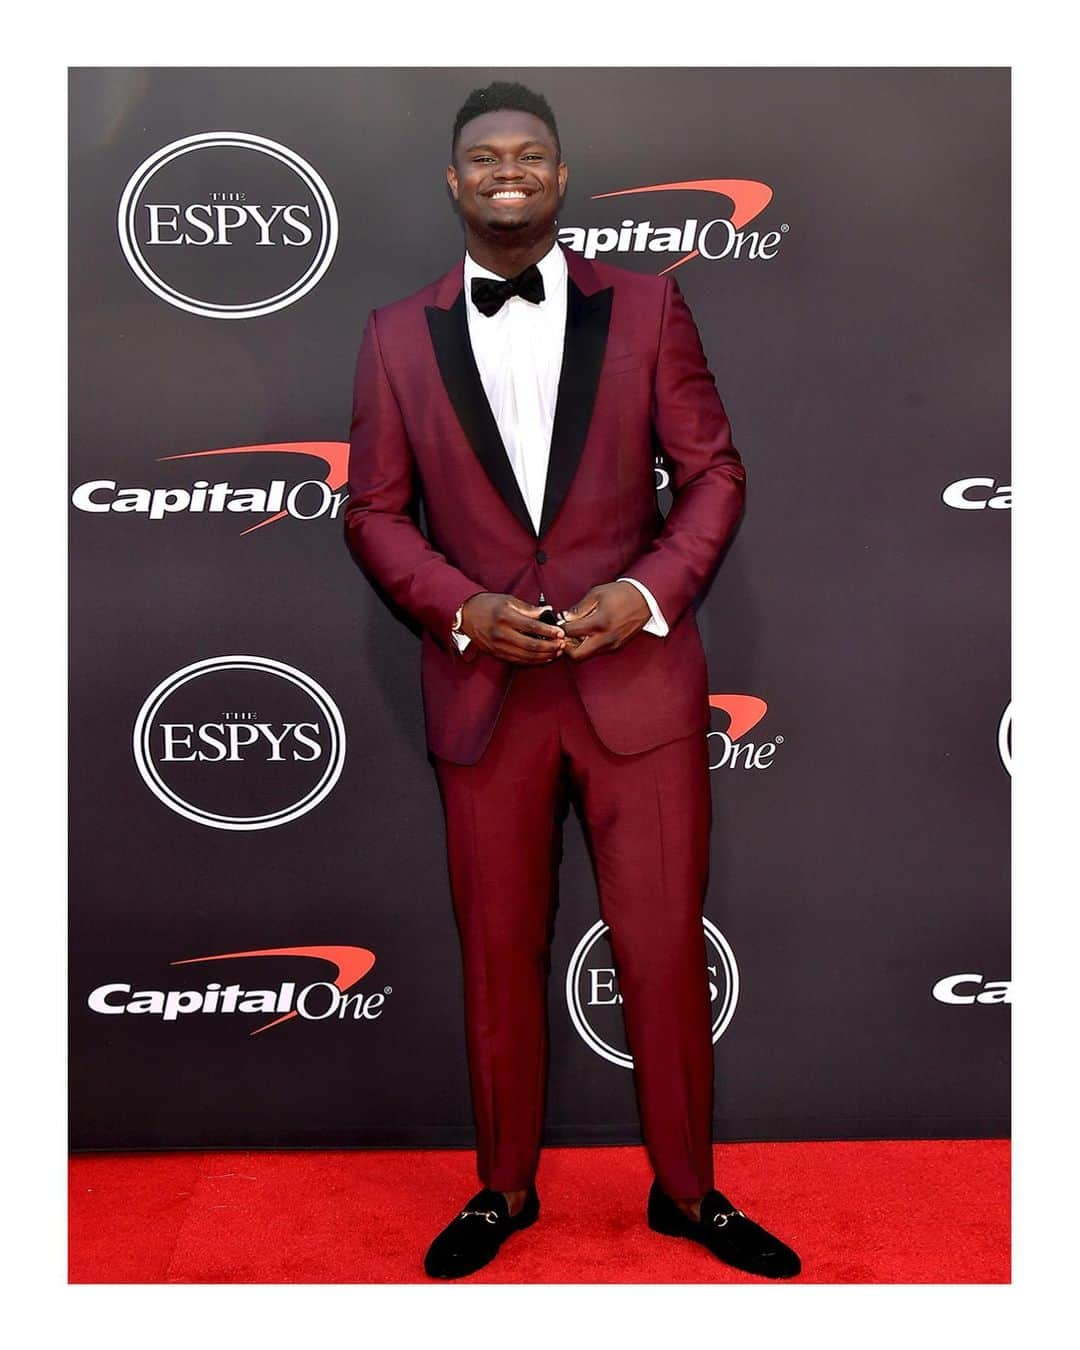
x: 451, y: 180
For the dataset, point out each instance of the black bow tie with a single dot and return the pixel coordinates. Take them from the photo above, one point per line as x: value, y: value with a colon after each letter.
x: 489, y: 295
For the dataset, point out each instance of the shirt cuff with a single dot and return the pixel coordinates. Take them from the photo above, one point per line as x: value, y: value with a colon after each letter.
x: 462, y: 640
x: 657, y: 624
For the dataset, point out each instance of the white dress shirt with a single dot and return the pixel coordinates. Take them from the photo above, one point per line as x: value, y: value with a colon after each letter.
x: 518, y: 352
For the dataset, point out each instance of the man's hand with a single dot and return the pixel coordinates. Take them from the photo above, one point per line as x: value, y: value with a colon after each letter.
x: 604, y: 620
x: 508, y: 628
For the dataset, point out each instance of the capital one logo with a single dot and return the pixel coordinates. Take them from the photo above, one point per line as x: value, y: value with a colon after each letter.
x: 308, y: 499
x: 595, y: 1004
x: 315, y: 1002
x: 970, y: 989
x: 731, y: 749
x: 692, y: 236
x: 227, y: 225
x: 978, y: 494
x: 239, y: 742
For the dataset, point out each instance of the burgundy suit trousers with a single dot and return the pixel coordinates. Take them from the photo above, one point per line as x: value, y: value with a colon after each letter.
x: 646, y: 820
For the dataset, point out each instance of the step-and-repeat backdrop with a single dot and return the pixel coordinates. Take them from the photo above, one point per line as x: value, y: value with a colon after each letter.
x: 263, y: 949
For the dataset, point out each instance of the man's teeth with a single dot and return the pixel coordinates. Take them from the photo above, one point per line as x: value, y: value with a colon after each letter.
x: 522, y: 195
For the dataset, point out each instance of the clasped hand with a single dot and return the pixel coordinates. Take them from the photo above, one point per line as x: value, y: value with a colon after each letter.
x: 603, y: 620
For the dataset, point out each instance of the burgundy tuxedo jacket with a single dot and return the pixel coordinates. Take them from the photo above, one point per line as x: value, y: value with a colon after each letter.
x: 633, y: 378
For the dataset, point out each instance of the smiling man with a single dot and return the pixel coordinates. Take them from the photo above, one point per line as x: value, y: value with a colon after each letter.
x: 522, y: 395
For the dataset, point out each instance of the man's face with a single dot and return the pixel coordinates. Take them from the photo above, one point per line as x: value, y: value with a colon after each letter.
x: 506, y: 177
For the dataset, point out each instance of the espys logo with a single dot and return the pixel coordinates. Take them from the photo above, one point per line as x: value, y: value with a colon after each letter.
x: 227, y: 225
x: 720, y: 237
x: 729, y: 749
x: 594, y: 1001
x: 978, y: 494
x: 236, y: 731
x: 316, y: 1002
x: 967, y: 989
x: 1004, y: 738
x: 310, y: 499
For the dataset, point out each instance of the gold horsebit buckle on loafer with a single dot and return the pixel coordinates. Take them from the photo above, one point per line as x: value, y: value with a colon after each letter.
x: 721, y: 1219
x: 490, y: 1215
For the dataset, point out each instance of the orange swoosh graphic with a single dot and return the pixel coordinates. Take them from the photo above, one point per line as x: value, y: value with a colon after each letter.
x: 334, y: 454
x: 352, y: 963
x: 744, y: 711
x: 748, y: 198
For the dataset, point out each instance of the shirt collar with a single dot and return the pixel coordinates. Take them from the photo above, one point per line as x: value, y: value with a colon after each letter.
x: 552, y: 268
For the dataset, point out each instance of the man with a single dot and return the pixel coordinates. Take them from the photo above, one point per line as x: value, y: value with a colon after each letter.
x: 522, y: 396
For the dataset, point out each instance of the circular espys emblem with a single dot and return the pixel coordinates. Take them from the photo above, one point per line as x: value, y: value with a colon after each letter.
x: 595, y: 1005
x: 227, y: 225
x: 1004, y: 738
x: 239, y: 742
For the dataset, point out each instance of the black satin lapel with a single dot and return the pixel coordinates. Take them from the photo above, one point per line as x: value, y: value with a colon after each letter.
x: 450, y: 337
x: 587, y: 320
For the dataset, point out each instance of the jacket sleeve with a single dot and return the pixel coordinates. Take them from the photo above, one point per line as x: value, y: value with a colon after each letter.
x: 709, y: 480
x: 381, y: 514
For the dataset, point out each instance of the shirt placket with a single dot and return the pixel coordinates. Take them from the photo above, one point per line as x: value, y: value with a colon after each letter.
x: 530, y: 412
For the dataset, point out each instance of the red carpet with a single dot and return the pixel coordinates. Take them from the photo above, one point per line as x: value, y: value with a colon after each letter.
x: 879, y: 1212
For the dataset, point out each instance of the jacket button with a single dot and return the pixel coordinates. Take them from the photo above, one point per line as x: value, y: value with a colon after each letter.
x: 541, y: 556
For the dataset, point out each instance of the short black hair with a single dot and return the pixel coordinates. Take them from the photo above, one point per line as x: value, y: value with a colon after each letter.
x: 507, y: 94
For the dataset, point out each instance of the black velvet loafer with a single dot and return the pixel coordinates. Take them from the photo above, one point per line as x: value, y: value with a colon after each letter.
x: 473, y: 1238
x: 726, y: 1232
